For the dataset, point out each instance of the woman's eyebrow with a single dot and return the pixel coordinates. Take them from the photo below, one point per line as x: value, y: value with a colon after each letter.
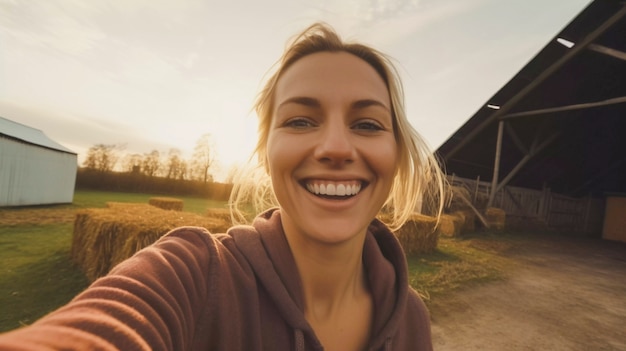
x: 302, y: 100
x: 312, y: 102
x: 361, y: 104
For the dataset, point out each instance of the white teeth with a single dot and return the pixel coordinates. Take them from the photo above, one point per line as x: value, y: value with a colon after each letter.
x: 341, y: 190
x: 330, y: 190
x: 334, y: 189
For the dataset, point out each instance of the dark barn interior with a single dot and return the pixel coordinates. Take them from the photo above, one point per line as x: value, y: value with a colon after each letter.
x: 561, y: 121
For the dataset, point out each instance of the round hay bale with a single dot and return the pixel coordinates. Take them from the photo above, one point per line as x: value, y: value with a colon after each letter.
x: 166, y: 203
x: 495, y: 217
x: 418, y: 234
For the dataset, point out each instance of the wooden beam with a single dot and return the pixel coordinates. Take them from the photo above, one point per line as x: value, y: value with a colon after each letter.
x: 613, y: 101
x: 473, y: 164
x: 516, y: 139
x: 534, y: 151
x: 482, y: 219
x: 496, y: 164
x: 608, y: 51
x: 514, y: 171
x: 538, y: 80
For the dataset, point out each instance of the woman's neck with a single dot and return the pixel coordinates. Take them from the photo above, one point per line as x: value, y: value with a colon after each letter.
x: 330, y: 275
x: 338, y: 304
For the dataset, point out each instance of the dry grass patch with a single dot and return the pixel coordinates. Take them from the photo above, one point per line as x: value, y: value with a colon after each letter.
x: 103, y: 237
x: 457, y: 263
x: 36, y: 215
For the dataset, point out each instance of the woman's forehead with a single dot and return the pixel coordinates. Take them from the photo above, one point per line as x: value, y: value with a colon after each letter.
x: 331, y: 74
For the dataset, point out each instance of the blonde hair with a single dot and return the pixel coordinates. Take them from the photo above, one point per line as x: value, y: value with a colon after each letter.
x: 418, y: 178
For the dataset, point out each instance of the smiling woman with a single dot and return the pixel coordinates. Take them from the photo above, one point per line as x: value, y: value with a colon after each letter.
x: 315, y: 270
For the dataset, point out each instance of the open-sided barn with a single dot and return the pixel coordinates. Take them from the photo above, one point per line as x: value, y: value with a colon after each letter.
x: 34, y: 170
x: 558, y: 126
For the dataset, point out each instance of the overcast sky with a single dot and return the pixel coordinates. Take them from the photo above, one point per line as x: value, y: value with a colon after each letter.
x: 157, y: 74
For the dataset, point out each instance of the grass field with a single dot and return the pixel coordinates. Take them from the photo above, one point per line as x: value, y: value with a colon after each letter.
x: 37, y: 275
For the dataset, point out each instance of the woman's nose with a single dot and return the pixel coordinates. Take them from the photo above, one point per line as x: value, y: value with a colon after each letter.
x: 335, y: 145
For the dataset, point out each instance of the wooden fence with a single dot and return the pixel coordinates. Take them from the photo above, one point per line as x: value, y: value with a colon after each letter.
x: 529, y: 207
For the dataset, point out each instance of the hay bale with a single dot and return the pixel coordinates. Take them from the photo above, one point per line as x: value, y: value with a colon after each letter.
x: 468, y: 223
x: 103, y: 237
x: 418, y: 234
x: 126, y: 206
x: 450, y: 225
x: 454, y: 199
x: 220, y: 213
x: 166, y: 203
x: 495, y: 217
x: 481, y: 200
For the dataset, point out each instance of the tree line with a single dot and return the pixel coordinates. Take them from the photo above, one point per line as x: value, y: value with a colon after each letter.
x: 105, y: 158
x: 106, y: 167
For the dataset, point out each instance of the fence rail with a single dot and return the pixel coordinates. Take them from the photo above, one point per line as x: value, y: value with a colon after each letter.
x: 539, y: 206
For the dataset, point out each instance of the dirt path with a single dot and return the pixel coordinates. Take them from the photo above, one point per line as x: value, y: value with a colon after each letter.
x: 564, y: 294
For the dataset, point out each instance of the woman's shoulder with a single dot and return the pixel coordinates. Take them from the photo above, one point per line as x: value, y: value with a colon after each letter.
x: 417, y: 307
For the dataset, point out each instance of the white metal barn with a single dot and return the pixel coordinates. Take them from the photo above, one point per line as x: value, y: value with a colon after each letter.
x: 34, y: 169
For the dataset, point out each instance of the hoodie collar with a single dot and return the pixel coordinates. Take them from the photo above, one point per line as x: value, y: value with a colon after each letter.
x: 266, y: 248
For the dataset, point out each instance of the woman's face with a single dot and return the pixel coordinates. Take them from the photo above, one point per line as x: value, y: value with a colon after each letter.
x: 331, y: 147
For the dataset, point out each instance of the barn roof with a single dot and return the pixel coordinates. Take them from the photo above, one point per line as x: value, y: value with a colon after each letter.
x: 29, y: 135
x: 562, y: 117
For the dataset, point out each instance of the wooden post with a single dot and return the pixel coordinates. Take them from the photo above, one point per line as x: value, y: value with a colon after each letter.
x: 548, y: 208
x: 476, y: 190
x: 496, y: 164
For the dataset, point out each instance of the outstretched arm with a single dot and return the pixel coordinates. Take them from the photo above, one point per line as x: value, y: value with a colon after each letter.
x: 148, y: 302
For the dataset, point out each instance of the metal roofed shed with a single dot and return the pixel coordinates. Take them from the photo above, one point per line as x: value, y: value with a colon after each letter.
x: 560, y: 122
x: 34, y: 169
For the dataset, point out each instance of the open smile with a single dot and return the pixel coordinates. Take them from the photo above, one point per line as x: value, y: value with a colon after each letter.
x: 334, y: 189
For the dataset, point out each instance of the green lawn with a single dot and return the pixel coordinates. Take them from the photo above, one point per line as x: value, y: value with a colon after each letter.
x: 100, y: 198
x: 37, y: 275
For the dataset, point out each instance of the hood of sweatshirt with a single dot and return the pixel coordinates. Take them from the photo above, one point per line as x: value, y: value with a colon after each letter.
x: 267, y: 250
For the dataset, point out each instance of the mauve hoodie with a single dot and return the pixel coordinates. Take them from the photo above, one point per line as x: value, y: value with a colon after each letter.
x: 241, y: 290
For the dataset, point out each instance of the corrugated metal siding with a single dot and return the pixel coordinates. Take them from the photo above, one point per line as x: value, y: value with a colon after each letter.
x: 32, y: 175
x: 30, y: 135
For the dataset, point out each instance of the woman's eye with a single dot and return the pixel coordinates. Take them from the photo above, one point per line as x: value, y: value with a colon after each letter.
x: 298, y: 123
x: 367, y: 126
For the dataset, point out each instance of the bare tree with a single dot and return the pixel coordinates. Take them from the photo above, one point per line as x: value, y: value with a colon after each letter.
x: 203, y: 158
x: 131, y: 163
x: 175, y: 165
x: 102, y: 157
x: 151, y: 163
